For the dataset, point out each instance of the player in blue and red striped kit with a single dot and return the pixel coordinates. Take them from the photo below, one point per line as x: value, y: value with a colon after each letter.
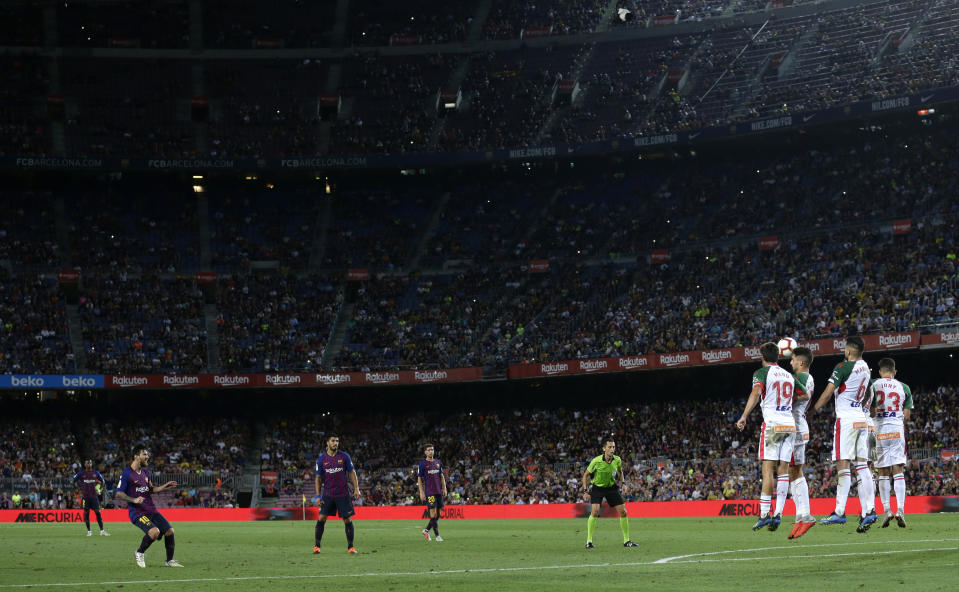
x: 432, y: 485
x: 136, y: 489
x: 332, y: 468
x: 87, y: 480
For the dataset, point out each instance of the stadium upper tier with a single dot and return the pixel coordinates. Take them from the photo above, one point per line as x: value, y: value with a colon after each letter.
x: 480, y: 270
x: 235, y: 92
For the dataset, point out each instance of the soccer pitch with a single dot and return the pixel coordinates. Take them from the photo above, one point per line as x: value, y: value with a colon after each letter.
x: 674, y: 554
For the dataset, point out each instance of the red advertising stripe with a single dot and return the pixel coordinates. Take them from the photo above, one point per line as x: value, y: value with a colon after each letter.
x: 891, y: 341
x: 330, y: 99
x: 127, y: 381
x: 942, y: 338
x: 768, y: 243
x: 531, y: 32
x: 665, y: 20
x: 232, y: 380
x: 635, y: 362
x: 676, y: 360
x: 659, y: 256
x: 706, y: 508
x: 901, y: 226
x: 722, y: 356
x: 539, y: 266
x: 357, y: 275
x: 206, y: 277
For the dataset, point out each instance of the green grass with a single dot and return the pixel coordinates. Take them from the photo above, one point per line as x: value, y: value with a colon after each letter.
x: 495, y: 555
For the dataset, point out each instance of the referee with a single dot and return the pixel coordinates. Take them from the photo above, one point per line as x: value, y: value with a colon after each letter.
x: 602, y: 472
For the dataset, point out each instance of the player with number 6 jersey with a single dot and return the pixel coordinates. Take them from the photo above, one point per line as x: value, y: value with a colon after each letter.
x: 891, y: 406
x: 850, y: 381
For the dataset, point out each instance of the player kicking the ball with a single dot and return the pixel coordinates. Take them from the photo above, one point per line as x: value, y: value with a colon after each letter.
x: 136, y: 489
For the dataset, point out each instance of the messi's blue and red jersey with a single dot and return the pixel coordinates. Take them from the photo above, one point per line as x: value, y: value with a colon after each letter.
x: 135, y: 485
x: 333, y: 470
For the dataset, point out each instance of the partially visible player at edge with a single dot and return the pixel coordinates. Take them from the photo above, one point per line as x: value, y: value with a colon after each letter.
x: 776, y: 433
x: 136, y: 489
x: 432, y: 485
x: 800, y: 362
x: 892, y: 407
x: 850, y: 381
x: 602, y: 472
x: 332, y: 468
x: 87, y: 480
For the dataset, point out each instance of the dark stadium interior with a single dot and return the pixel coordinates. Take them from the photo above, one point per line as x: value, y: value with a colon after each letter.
x: 370, y: 187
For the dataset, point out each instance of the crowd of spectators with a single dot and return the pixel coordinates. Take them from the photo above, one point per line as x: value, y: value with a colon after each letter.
x: 22, y: 129
x: 180, y: 445
x: 392, y: 102
x: 38, y: 450
x: 38, y: 459
x: 142, y: 324
x: 509, y: 19
x: 727, y: 73
x: 33, y: 326
x: 271, y: 323
x: 473, y: 297
x: 143, y: 236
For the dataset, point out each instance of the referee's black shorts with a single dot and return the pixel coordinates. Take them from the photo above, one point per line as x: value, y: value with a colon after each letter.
x: 611, y: 494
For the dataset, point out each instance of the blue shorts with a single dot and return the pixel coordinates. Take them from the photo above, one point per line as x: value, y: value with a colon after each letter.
x: 435, y: 501
x: 337, y: 506
x: 145, y: 523
x: 91, y: 503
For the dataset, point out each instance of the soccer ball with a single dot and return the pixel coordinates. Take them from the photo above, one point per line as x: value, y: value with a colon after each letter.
x: 786, y: 347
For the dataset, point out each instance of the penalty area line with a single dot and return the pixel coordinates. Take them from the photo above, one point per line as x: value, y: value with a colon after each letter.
x: 678, y: 558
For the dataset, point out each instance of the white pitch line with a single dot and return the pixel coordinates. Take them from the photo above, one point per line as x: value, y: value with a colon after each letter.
x: 831, y: 555
x: 501, y: 569
x: 798, y: 546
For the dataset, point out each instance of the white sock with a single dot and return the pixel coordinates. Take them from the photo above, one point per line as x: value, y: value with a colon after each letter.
x: 867, y: 488
x: 800, y: 490
x: 764, y: 502
x: 842, y: 492
x: 884, y: 493
x: 899, y: 484
x: 782, y: 489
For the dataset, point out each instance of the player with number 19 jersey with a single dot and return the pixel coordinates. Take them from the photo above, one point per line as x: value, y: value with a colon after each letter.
x: 851, y: 437
x: 776, y: 400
